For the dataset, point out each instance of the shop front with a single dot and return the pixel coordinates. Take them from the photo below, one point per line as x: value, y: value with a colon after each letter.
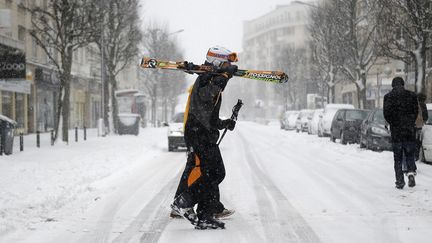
x: 47, y: 90
x: 14, y: 88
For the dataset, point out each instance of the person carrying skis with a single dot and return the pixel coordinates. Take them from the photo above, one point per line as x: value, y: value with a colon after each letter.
x: 221, y: 211
x: 205, y: 169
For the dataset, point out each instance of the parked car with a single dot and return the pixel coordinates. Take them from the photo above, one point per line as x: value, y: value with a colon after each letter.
x: 426, y: 148
x: 313, y: 122
x: 325, y: 122
x: 374, y: 132
x: 303, y: 120
x: 176, y: 132
x: 284, y: 119
x: 346, y: 125
x: 291, y: 121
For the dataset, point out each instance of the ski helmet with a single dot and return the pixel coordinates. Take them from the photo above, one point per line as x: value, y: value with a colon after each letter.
x: 218, y: 55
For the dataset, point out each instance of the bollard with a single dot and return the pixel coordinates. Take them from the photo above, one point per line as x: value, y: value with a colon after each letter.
x: 1, y: 144
x: 21, y: 141
x: 38, y: 139
x: 52, y: 137
x: 76, y: 134
x: 85, y: 133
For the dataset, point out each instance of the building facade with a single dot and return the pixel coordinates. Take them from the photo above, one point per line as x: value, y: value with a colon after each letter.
x: 266, y: 40
x: 32, y: 101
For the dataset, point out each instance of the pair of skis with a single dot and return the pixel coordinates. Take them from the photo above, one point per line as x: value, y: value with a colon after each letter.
x: 267, y: 76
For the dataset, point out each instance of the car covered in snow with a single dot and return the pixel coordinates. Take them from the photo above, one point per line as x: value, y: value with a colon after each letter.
x: 284, y: 119
x: 374, y: 132
x: 325, y: 122
x: 313, y: 122
x: 346, y: 125
x: 291, y: 120
x: 426, y: 148
x: 303, y: 120
x: 176, y: 132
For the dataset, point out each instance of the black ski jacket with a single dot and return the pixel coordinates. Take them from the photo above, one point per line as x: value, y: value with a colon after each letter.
x: 204, y: 105
x: 400, y: 111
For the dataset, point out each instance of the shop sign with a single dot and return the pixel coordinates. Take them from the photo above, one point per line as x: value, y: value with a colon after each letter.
x: 12, y: 63
x: 20, y: 86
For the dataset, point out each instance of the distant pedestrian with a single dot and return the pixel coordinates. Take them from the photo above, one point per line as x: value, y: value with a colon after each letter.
x: 400, y: 111
x: 422, y: 117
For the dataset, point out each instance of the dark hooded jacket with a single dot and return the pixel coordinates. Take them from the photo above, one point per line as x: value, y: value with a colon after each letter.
x: 400, y: 111
x: 204, y: 106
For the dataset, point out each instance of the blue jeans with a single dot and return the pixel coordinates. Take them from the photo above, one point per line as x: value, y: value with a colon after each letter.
x: 401, y: 150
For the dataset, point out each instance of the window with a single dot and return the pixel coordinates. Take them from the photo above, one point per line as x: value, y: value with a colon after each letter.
x: 21, y: 33
x: 347, y: 98
x: 19, y: 109
x: 34, y: 48
x: 7, y: 103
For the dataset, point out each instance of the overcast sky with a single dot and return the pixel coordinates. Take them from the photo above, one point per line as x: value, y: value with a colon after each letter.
x: 207, y: 23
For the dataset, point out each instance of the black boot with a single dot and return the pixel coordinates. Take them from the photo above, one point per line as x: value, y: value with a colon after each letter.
x: 209, y: 222
x: 183, y: 205
x: 400, y: 184
x: 411, y: 179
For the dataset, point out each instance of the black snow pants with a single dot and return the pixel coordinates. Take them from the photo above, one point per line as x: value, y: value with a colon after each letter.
x: 205, y: 190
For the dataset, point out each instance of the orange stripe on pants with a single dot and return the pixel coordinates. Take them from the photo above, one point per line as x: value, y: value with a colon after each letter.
x: 196, y: 172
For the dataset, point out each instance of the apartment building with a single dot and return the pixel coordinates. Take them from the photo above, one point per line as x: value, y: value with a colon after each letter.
x: 264, y: 39
x: 31, y: 100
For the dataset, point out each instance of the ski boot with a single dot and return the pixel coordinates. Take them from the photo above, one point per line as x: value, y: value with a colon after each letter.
x: 209, y: 223
x: 411, y: 179
x: 181, y: 207
x: 224, y: 214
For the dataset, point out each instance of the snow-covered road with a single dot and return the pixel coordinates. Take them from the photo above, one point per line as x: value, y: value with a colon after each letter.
x: 284, y: 186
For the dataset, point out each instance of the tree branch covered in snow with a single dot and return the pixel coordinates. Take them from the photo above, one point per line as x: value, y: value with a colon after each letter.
x: 405, y: 33
x: 60, y: 28
x: 120, y: 27
x: 359, y: 24
x: 162, y: 85
x: 325, y: 40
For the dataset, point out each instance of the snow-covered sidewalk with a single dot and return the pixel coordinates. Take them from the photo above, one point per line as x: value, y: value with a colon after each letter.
x: 40, y: 184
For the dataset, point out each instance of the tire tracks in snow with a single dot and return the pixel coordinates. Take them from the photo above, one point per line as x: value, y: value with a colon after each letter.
x: 350, y: 193
x: 153, y: 218
x: 279, y: 218
x: 106, y: 221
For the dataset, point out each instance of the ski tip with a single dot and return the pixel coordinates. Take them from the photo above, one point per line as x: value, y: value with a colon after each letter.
x: 284, y: 79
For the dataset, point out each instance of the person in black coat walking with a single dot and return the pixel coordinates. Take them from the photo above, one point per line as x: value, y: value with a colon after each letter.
x: 400, y: 111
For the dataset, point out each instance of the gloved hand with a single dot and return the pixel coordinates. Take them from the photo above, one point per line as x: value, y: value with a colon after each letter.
x: 188, y: 65
x: 231, y: 69
x: 229, y: 123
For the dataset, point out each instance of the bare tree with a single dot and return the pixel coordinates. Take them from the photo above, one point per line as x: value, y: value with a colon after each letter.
x: 293, y: 60
x: 325, y: 41
x: 358, y: 23
x: 61, y: 28
x: 406, y: 33
x: 160, y: 84
x: 119, y: 42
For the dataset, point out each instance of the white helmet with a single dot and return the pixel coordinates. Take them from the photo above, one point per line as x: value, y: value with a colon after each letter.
x: 218, y: 55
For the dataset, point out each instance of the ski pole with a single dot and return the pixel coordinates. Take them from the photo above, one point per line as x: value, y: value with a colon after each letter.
x: 234, y: 116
